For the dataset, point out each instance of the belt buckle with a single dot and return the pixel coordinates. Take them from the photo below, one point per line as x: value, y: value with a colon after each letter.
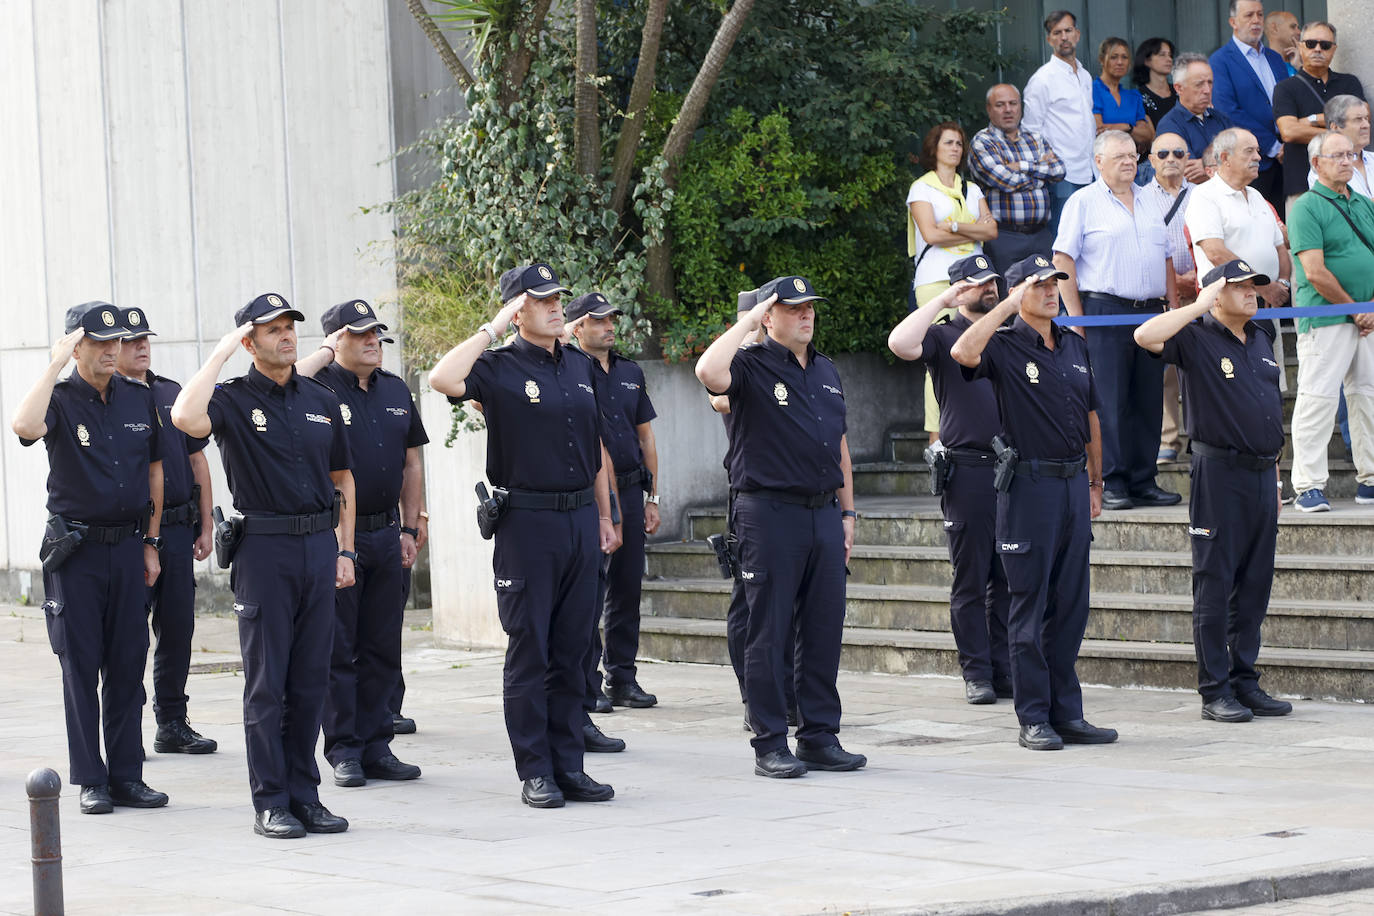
x: 297, y: 524
x: 563, y: 502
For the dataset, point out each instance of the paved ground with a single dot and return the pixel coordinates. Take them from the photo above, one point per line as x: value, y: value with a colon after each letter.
x: 950, y: 815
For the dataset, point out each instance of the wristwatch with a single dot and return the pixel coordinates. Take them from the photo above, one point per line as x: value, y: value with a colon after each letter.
x: 155, y: 543
x: 652, y: 499
x: 848, y: 513
x: 349, y: 555
x: 1283, y: 281
x: 413, y: 532
x: 1312, y: 118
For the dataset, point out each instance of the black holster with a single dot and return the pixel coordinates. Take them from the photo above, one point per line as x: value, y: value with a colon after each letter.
x: 195, y: 510
x: 336, y: 510
x: 60, y: 540
x: 228, y: 536
x: 727, y: 554
x: 1005, y: 468
x: 941, y: 469
x: 490, y: 508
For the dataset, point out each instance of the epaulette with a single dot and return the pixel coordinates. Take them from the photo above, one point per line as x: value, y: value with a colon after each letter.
x: 132, y: 381
x: 943, y: 319
x: 315, y: 381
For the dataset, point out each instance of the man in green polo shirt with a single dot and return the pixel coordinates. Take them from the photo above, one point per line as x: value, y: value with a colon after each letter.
x: 1331, y: 230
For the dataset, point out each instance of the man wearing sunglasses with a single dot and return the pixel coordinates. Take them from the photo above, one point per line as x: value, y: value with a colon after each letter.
x: 1299, y: 102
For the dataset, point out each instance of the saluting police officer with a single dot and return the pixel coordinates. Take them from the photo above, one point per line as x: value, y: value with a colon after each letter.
x: 794, y: 517
x: 978, y: 599
x: 1047, y: 496
x: 282, y: 439
x: 1230, y: 383
x: 384, y: 437
x: 626, y: 412
x: 544, y: 447
x: 104, y: 490
x: 186, y: 537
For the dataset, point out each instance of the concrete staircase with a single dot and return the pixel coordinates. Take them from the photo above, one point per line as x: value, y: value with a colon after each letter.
x: 1318, y: 637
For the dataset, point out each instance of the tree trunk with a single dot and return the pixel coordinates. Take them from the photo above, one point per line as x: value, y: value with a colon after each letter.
x: 460, y: 74
x: 659, y: 269
x: 640, y: 91
x: 586, y: 132
x: 518, y: 63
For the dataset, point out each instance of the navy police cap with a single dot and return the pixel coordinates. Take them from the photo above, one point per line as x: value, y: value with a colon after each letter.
x: 99, y: 319
x: 356, y: 315
x: 790, y: 291
x: 975, y: 267
x: 593, y: 304
x: 135, y: 324
x: 1236, y: 271
x: 539, y: 280
x: 1037, y: 267
x: 265, y: 308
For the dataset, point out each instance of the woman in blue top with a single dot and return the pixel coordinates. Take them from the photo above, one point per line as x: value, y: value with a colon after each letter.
x: 1114, y: 107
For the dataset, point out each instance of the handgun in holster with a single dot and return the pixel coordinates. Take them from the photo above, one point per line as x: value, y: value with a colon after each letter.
x: 1005, y: 468
x: 490, y: 508
x: 941, y: 468
x: 727, y: 554
x: 228, y: 536
x: 60, y: 540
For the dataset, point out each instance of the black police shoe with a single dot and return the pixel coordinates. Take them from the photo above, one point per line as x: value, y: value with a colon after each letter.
x: 349, y: 773
x: 96, y: 800
x: 316, y: 818
x: 597, y: 742
x: 1262, y: 704
x: 631, y: 695
x: 401, y: 725
x: 829, y: 757
x: 979, y: 693
x: 278, y: 824
x: 1112, y: 499
x: 1155, y: 496
x: 136, y: 794
x: 541, y: 792
x: 580, y: 787
x: 779, y: 764
x: 389, y: 767
x: 178, y: 737
x: 1226, y: 709
x: 1039, y: 736
x: 1079, y: 731
x: 603, y: 703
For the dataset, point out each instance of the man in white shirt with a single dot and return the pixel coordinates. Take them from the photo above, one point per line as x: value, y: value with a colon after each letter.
x: 1058, y: 104
x: 1227, y: 219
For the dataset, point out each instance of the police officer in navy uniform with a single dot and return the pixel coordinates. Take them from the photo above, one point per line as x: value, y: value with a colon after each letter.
x: 1043, y: 381
x: 626, y: 412
x: 281, y: 437
x: 794, y: 517
x: 105, y: 480
x: 1230, y: 383
x: 384, y: 437
x: 968, y: 420
x: 544, y: 447
x: 186, y: 537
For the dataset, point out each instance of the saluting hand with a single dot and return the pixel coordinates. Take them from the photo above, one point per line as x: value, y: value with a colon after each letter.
x: 65, y: 348
x: 230, y: 342
x: 758, y: 311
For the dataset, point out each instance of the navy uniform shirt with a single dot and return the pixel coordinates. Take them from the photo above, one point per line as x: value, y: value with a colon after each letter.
x: 381, y: 423
x: 1043, y: 395
x: 1230, y: 388
x: 178, y: 447
x: 543, y: 425
x: 278, y: 442
x: 968, y: 409
x: 99, y: 451
x: 787, y: 421
x: 624, y: 405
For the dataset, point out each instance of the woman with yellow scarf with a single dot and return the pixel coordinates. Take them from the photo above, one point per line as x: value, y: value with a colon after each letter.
x: 947, y: 219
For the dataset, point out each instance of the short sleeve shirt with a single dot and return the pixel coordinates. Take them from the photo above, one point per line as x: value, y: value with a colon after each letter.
x: 787, y: 421
x: 1043, y: 395
x: 625, y: 405
x: 279, y: 443
x: 934, y: 266
x: 1300, y: 96
x: 177, y: 479
x: 1116, y: 251
x: 544, y: 427
x: 381, y: 423
x: 99, y: 450
x: 1242, y: 220
x: 1314, y: 223
x: 1129, y: 110
x: 1230, y: 387
x: 968, y: 409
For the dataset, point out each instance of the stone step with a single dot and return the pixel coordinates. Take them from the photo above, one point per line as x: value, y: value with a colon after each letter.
x: 1347, y: 530
x: 1292, y: 672
x: 1337, y: 625
x: 900, y: 478
x: 1309, y: 577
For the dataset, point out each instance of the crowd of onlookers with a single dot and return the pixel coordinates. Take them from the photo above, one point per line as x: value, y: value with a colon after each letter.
x: 1143, y: 178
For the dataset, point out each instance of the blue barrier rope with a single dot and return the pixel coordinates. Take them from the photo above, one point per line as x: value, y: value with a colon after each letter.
x: 1268, y: 314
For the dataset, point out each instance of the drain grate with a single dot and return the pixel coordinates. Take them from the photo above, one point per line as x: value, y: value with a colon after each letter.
x: 916, y: 741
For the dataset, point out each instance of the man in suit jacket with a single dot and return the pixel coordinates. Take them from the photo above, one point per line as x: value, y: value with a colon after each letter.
x: 1246, y: 73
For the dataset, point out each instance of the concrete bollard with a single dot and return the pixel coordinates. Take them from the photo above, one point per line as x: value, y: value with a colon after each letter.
x: 45, y: 832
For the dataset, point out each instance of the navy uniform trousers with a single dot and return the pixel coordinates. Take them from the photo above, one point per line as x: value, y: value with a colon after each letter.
x: 284, y: 598
x: 545, y: 563
x: 1234, y: 525
x: 792, y: 567
x: 172, y: 610
x: 737, y: 635
x: 398, y: 695
x: 1043, y: 535
x: 978, y: 600
x: 366, y: 661
x: 99, y: 633
x: 618, y: 590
